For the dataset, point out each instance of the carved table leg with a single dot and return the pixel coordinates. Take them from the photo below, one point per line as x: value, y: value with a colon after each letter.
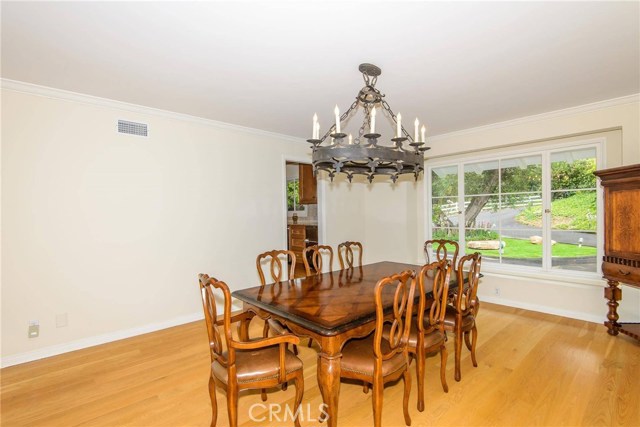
x: 329, y: 383
x: 614, y: 294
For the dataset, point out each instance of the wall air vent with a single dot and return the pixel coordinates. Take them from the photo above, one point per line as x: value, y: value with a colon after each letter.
x: 132, y: 128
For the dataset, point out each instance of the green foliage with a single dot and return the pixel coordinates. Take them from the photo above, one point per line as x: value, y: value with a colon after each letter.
x: 481, y: 234
x: 292, y: 194
x: 523, y: 248
x: 578, y: 174
x: 575, y: 212
x: 476, y: 234
x: 443, y: 183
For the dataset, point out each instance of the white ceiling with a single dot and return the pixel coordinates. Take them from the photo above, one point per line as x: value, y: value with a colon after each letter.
x: 271, y: 65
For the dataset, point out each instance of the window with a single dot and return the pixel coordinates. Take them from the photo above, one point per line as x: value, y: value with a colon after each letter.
x: 536, y: 210
x: 293, y: 195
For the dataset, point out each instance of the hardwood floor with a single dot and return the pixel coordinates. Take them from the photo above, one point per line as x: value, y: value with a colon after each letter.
x: 533, y: 369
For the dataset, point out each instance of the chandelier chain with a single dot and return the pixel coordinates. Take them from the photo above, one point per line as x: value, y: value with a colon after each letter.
x: 343, y: 117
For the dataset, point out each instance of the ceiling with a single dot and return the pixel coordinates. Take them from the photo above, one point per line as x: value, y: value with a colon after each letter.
x: 272, y: 65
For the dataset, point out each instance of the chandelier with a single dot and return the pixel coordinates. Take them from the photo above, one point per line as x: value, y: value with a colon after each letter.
x: 363, y: 155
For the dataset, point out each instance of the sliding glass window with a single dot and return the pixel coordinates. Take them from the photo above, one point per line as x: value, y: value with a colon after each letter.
x: 536, y: 210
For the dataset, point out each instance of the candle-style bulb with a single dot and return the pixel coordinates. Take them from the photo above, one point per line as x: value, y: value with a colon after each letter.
x: 350, y: 139
x: 399, y: 126
x: 423, y: 133
x: 417, y: 125
x: 337, y: 112
x: 373, y: 120
x: 315, y: 125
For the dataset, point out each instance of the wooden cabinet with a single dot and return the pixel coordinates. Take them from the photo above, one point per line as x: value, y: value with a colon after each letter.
x: 308, y: 193
x: 621, y: 263
x: 297, y: 237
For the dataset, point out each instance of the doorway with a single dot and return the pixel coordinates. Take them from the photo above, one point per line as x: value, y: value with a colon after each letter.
x: 302, y: 209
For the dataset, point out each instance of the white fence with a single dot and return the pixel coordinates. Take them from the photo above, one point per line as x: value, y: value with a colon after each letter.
x: 451, y: 207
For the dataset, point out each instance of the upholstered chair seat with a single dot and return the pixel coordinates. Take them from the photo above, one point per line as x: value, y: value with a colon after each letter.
x: 257, y: 365
x: 450, y: 319
x: 357, y: 359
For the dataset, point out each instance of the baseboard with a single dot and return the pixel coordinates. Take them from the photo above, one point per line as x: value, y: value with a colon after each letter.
x: 543, y: 309
x: 55, y: 350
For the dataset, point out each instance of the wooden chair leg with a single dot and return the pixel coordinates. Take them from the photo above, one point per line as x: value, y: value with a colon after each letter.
x: 310, y: 343
x: 405, y: 399
x: 458, y: 348
x: 377, y: 391
x: 420, y: 361
x: 467, y: 339
x: 232, y: 404
x: 263, y: 394
x: 299, y: 384
x: 474, y: 340
x: 295, y: 349
x: 365, y: 387
x: 214, y: 403
x: 443, y: 368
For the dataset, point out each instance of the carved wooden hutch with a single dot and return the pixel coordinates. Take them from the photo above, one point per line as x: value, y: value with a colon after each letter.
x: 621, y: 262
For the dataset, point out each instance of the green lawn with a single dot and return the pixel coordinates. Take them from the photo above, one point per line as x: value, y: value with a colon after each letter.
x: 521, y: 248
x: 576, y: 212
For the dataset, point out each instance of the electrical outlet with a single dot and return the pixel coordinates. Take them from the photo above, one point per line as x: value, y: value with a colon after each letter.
x: 496, y: 291
x: 34, y: 329
x: 61, y: 320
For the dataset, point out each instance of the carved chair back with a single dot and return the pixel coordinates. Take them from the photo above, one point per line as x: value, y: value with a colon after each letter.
x: 466, y: 297
x: 439, y: 247
x: 316, y: 258
x: 402, y: 286
x: 440, y: 271
x: 347, y: 248
x: 208, y: 288
x: 276, y: 268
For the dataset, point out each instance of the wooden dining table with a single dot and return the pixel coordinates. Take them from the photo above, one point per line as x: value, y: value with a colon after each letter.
x: 330, y: 308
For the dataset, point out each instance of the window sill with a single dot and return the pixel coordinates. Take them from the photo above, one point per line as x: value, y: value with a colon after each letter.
x: 565, y: 277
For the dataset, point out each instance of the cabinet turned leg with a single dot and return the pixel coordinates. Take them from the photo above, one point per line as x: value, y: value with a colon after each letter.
x: 614, y: 294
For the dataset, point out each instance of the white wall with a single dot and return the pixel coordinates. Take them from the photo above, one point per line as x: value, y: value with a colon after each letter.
x: 381, y: 215
x: 113, y: 229
x: 579, y: 299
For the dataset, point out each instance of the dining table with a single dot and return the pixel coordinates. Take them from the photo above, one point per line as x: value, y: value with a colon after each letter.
x: 330, y: 308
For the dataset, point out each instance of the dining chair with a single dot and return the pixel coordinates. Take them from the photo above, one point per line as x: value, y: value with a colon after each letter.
x: 439, y: 248
x: 347, y: 248
x: 429, y: 335
x: 315, y: 253
x: 460, y: 316
x: 375, y: 360
x: 276, y: 271
x: 240, y: 365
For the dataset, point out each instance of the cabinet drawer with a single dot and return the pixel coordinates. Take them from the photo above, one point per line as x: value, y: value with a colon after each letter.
x: 621, y: 273
x: 297, y: 244
x: 297, y: 231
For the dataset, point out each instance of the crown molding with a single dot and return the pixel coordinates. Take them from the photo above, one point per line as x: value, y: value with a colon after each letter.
x: 629, y: 99
x: 81, y: 98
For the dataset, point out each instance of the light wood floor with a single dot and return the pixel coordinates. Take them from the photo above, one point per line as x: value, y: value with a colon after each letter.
x: 533, y: 369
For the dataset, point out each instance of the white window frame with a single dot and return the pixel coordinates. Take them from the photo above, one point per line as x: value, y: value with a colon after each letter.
x: 545, y: 272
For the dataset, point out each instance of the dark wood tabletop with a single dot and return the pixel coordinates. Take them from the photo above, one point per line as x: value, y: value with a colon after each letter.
x: 328, y: 303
